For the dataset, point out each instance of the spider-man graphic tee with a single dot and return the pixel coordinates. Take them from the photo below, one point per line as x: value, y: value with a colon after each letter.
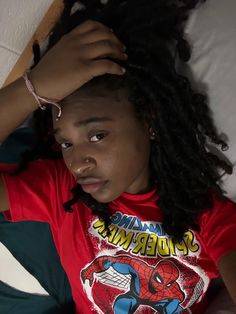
x: 137, y: 268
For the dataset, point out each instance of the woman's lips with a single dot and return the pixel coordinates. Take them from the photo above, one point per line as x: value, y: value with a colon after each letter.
x: 92, y: 187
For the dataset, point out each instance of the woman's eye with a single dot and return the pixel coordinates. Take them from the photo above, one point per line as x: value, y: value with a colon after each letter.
x: 65, y: 146
x: 97, y: 137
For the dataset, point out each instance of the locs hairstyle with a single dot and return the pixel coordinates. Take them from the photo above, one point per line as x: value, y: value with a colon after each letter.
x: 185, y: 172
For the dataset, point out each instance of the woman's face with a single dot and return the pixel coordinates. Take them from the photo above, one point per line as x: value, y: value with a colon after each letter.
x: 103, y: 143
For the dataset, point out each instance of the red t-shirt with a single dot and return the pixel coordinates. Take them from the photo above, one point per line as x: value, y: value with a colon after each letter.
x: 137, y: 268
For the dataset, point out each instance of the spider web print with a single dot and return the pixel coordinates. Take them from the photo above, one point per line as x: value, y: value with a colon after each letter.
x: 196, y: 292
x: 194, y: 289
x: 114, y: 279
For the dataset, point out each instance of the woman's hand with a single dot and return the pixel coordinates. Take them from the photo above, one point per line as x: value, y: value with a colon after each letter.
x: 78, y: 57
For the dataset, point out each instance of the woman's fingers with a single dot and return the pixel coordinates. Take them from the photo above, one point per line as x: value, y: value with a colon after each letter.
x: 97, y: 41
x: 103, y: 49
x: 100, y: 35
x: 88, y: 26
x: 101, y: 67
x: 79, y: 56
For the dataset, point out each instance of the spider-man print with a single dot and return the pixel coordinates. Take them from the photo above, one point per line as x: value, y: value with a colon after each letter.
x: 155, y: 287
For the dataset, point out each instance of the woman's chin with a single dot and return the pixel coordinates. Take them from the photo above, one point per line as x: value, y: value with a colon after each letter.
x: 105, y: 196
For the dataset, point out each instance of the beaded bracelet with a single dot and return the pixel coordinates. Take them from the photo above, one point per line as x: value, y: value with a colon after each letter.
x: 42, y: 101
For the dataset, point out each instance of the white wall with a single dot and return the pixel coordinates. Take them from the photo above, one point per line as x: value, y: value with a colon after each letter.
x: 18, y: 21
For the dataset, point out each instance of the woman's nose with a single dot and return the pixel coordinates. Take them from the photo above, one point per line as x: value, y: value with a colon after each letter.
x: 83, y: 166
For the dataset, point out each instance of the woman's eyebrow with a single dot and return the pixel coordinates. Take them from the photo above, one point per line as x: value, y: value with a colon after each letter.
x: 92, y: 120
x: 86, y: 122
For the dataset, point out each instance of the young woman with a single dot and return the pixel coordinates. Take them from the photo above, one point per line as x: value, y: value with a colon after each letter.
x: 147, y: 226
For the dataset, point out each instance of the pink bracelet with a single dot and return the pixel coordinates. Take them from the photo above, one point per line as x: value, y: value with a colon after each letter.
x: 40, y: 100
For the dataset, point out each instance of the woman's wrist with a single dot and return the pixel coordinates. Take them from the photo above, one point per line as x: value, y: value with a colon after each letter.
x: 41, y: 101
x: 44, y: 86
x: 16, y: 104
x: 19, y: 90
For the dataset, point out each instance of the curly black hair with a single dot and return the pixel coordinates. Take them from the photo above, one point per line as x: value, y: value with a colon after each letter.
x: 186, y: 173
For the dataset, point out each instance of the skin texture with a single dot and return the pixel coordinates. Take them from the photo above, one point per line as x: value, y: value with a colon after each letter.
x: 113, y: 151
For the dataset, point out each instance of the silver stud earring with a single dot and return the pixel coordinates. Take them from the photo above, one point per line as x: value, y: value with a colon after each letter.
x: 152, y: 134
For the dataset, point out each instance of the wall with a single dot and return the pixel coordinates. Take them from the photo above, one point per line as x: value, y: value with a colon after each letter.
x: 18, y: 21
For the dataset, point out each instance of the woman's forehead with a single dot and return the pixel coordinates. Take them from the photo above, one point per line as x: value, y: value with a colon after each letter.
x: 97, y: 92
x: 113, y: 104
x: 86, y: 100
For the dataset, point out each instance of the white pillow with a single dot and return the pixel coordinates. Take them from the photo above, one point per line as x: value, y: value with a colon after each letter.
x: 212, y: 31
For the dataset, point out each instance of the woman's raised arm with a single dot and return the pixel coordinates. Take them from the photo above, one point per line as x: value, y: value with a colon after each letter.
x: 78, y: 57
